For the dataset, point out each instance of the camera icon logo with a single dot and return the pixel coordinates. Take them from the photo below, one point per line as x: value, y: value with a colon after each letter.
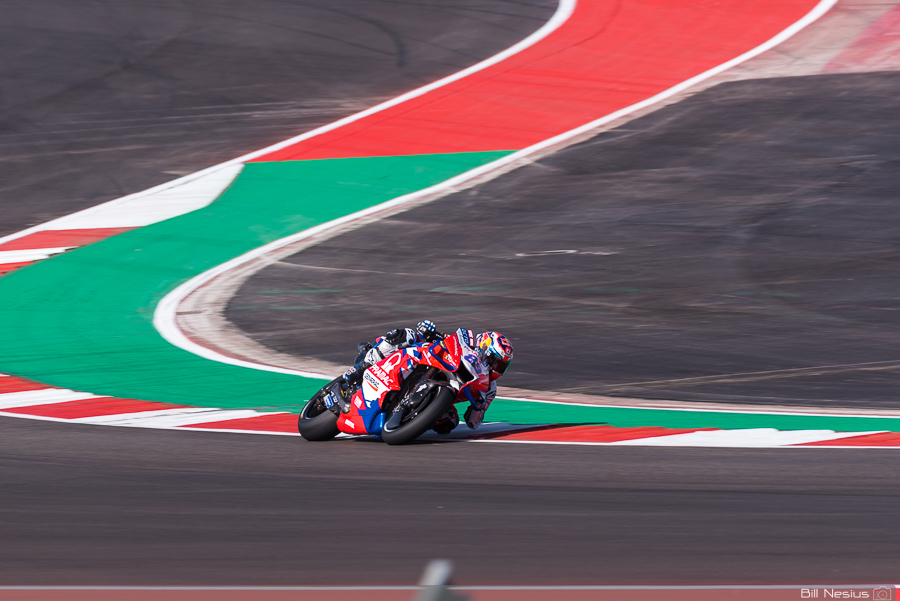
x: 883, y: 593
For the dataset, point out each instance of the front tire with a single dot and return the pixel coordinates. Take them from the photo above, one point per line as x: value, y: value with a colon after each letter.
x: 316, y: 421
x: 423, y: 421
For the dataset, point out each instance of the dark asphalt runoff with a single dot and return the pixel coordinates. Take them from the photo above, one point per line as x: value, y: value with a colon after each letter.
x: 738, y: 246
x: 101, y: 505
x: 103, y: 98
x: 99, y: 99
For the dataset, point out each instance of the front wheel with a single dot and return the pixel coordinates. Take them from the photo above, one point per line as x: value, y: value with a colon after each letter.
x: 317, y: 421
x: 423, y: 417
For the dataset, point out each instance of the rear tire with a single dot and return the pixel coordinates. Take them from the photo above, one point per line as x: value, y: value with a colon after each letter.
x: 424, y: 421
x: 316, y: 421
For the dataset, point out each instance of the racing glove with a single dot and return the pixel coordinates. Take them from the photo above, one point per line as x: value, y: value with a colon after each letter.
x: 475, y: 415
x: 428, y: 331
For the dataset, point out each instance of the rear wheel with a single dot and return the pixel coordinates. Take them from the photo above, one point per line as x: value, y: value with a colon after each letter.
x: 422, y: 418
x: 317, y: 421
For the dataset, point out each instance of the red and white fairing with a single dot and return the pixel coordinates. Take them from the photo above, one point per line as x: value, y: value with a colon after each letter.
x: 453, y: 355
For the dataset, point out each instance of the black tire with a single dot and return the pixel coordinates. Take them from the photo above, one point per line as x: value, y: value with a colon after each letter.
x: 441, y: 400
x: 316, y: 421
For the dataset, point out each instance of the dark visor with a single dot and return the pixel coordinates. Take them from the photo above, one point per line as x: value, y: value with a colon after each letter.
x: 498, y: 365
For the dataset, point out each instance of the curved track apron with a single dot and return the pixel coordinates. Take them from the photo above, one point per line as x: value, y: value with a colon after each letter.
x: 77, y: 328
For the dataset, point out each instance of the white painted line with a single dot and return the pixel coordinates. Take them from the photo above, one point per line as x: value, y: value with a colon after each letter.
x: 838, y: 446
x: 754, y: 437
x: 113, y: 420
x: 563, y: 12
x: 24, y: 256
x: 144, y: 210
x: 136, y: 420
x: 237, y: 431
x: 64, y: 420
x: 46, y: 396
x: 699, y: 409
x: 158, y: 415
x: 169, y: 418
x: 607, y: 444
x: 229, y: 414
x: 164, y: 317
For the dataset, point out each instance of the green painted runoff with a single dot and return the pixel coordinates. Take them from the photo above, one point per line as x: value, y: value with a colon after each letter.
x: 83, y: 320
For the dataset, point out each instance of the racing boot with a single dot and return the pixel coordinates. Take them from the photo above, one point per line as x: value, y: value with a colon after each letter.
x: 448, y: 422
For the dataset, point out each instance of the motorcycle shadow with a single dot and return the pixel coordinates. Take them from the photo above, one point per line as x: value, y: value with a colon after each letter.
x: 461, y: 433
x: 424, y: 439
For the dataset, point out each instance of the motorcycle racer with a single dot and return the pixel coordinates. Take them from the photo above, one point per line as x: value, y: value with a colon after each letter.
x: 495, y: 352
x: 394, y: 340
x: 493, y: 349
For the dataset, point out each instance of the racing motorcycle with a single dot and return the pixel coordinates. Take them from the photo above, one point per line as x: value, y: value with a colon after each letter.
x: 402, y: 396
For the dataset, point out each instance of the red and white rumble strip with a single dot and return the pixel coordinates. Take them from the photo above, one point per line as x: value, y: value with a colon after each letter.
x: 41, y: 245
x: 115, y: 217
x: 32, y: 400
x: 27, y: 399
x: 24, y: 398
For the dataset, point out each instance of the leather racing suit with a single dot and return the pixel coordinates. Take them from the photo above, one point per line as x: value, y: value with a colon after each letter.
x: 398, y: 338
x: 425, y: 332
x: 474, y: 414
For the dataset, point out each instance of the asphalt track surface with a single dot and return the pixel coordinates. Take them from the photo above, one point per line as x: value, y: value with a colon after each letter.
x: 89, y: 505
x: 747, y: 230
x: 100, y: 99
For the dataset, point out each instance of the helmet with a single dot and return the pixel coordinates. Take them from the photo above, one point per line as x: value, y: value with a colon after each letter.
x: 496, y: 350
x: 426, y: 330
